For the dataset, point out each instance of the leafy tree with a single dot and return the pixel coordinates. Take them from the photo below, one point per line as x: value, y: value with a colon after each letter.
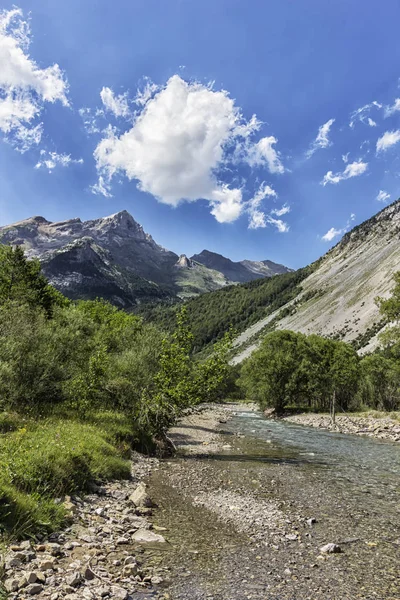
x: 274, y: 374
x: 380, y: 382
x: 21, y: 281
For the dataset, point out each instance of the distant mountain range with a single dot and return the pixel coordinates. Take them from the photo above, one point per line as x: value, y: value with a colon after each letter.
x: 114, y: 258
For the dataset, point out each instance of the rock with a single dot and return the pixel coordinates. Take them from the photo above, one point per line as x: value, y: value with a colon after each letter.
x: 331, y: 549
x: 119, y: 593
x: 140, y: 497
x: 156, y: 580
x: 88, y: 574
x: 40, y: 577
x: 23, y: 582
x: 121, y: 541
x: 130, y: 560
x: 47, y: 565
x: 11, y: 585
x: 144, y: 536
x: 291, y: 536
x: 34, y: 589
x: 130, y: 570
x: 31, y: 577
x: 311, y: 521
x: 74, y: 579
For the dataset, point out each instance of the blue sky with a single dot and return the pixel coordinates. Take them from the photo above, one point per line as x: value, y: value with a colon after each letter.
x: 254, y: 129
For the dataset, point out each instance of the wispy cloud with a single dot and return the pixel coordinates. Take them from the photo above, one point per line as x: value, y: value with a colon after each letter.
x: 51, y: 160
x: 118, y: 105
x: 281, y: 226
x: 362, y: 114
x: 24, y: 87
x: 279, y: 212
x: 353, y: 169
x: 332, y: 233
x: 264, y: 153
x: 382, y: 196
x: 387, y: 140
x: 395, y: 107
x: 322, y: 140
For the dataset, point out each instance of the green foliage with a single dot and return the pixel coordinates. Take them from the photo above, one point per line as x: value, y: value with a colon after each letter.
x: 380, y: 382
x: 58, y: 456
x: 294, y: 369
x: 238, y: 306
x: 22, y: 281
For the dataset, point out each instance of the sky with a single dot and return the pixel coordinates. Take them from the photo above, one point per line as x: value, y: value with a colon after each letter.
x: 259, y: 130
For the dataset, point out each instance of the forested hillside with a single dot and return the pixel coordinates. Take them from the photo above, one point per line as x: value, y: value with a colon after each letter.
x: 212, y: 315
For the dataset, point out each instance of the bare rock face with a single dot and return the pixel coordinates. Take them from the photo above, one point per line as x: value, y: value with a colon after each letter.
x: 114, y: 258
x: 184, y: 262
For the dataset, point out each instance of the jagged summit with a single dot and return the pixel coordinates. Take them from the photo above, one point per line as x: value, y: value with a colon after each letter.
x: 115, y: 258
x: 184, y: 262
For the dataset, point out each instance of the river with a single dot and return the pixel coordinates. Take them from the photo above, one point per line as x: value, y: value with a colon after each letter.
x: 247, y: 519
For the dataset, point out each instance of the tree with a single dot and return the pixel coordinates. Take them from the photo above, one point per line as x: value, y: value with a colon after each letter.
x: 274, y: 374
x: 390, y: 310
x: 380, y: 382
x: 21, y: 281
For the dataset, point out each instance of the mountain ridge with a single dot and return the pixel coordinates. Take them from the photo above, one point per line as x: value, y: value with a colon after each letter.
x: 115, y: 256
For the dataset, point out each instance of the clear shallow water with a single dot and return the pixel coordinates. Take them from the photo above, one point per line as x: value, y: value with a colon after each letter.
x: 349, y: 484
x: 361, y: 462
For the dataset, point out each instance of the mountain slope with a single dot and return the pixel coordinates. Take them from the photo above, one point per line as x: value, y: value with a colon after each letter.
x: 338, y: 298
x: 113, y: 257
x: 239, y: 272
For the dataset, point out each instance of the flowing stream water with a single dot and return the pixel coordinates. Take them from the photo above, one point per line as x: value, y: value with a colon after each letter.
x: 348, y: 485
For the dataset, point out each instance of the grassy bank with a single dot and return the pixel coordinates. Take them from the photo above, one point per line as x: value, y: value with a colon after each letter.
x: 41, y: 460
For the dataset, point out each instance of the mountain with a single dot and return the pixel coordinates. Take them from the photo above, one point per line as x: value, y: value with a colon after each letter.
x: 338, y: 298
x: 239, y: 272
x: 114, y: 258
x: 334, y: 296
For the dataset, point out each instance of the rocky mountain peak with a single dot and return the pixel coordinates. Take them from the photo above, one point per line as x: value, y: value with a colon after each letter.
x: 184, y: 262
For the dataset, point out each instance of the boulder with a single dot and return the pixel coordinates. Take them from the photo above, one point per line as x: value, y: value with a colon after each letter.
x: 144, y: 536
x: 140, y: 497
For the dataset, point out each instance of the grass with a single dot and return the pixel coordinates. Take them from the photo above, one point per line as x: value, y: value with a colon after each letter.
x: 46, y: 459
x: 378, y: 414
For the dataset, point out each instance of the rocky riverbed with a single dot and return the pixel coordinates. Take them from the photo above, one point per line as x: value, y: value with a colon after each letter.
x: 100, y: 555
x: 248, y: 509
x: 383, y: 428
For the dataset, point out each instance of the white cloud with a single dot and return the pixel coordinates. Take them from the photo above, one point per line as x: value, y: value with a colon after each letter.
x: 352, y: 170
x: 24, y: 86
x: 388, y: 139
x: 382, y: 196
x: 258, y: 218
x: 322, y: 140
x: 279, y: 212
x: 263, y: 153
x: 146, y: 92
x: 390, y: 110
x: 345, y: 157
x: 183, y: 134
x: 118, y: 105
x: 362, y: 114
x: 102, y: 188
x: 51, y: 160
x: 331, y: 234
x: 281, y: 226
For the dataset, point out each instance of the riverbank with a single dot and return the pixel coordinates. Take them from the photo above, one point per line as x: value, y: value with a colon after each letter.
x: 243, y: 511
x: 384, y: 427
x: 99, y: 555
x: 250, y: 516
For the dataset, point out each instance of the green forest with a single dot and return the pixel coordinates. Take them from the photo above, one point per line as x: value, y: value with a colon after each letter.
x: 82, y: 383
